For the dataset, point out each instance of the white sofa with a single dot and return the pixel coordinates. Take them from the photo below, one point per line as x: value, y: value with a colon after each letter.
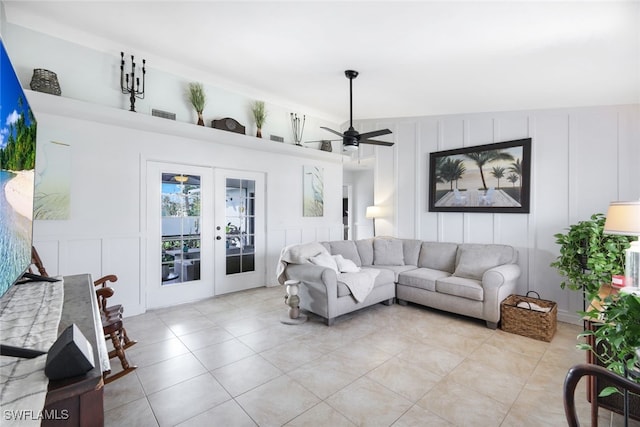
x: 468, y: 279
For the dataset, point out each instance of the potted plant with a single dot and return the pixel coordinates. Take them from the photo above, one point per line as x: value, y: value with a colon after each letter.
x: 198, y: 100
x: 617, y: 336
x: 259, y: 115
x: 588, y: 257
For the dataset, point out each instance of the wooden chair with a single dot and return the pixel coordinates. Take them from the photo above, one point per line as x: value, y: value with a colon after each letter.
x: 113, y: 328
x: 112, y: 321
x: 571, y: 381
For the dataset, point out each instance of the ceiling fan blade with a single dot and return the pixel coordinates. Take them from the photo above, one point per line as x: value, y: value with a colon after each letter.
x: 375, y: 133
x: 374, y: 142
x: 332, y: 131
x: 321, y: 140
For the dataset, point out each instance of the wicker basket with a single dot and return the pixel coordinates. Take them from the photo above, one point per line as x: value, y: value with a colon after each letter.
x: 530, y: 323
x: 45, y: 81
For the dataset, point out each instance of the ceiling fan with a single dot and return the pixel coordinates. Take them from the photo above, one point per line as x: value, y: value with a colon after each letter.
x: 351, y: 138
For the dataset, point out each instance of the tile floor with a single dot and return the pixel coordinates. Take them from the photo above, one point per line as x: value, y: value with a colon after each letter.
x: 228, y: 361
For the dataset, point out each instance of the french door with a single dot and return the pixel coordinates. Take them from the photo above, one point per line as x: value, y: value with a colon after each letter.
x: 239, y: 231
x: 180, y: 233
x: 205, y: 232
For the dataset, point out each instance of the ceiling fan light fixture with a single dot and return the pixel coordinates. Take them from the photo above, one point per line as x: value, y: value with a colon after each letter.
x: 350, y: 147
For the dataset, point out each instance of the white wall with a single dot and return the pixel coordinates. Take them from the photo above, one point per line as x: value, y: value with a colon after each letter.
x: 106, y: 232
x: 94, y: 76
x: 582, y: 158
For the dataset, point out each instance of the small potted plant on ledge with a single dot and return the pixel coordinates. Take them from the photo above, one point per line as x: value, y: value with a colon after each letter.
x: 198, y: 100
x: 259, y: 115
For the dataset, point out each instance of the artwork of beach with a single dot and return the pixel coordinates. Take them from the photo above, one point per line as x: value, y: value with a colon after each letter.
x: 490, y: 178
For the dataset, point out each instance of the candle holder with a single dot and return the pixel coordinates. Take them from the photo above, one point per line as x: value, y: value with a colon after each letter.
x: 134, y: 90
x: 297, y: 129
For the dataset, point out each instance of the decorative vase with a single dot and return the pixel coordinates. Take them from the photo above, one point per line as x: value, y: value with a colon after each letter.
x: 259, y: 133
x: 325, y: 146
x: 200, y: 119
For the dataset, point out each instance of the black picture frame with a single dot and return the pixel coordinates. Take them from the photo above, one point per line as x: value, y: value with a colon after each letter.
x: 493, y: 172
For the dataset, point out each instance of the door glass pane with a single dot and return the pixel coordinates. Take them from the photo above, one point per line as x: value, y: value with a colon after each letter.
x: 180, y: 228
x: 240, y: 225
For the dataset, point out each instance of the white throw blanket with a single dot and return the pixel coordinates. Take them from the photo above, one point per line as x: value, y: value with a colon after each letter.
x: 360, y: 284
x: 297, y: 254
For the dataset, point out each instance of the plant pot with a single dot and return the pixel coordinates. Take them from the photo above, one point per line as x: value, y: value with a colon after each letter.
x: 259, y: 133
x: 200, y: 119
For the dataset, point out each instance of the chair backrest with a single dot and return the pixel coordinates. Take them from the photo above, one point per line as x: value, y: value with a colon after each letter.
x: 576, y: 373
x: 37, y: 262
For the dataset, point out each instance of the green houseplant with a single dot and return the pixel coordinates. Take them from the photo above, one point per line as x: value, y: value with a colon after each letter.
x: 198, y: 100
x: 617, y: 335
x: 588, y: 257
x: 259, y: 115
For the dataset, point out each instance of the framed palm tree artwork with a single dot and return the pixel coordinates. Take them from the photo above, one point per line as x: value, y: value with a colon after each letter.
x: 483, y: 178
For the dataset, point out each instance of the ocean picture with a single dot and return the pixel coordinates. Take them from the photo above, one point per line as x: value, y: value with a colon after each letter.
x: 17, y: 162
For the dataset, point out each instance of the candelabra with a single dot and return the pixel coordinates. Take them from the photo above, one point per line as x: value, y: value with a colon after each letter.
x: 134, y: 89
x: 297, y: 129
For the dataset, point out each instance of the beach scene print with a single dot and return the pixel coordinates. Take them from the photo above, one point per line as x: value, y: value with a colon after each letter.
x: 483, y: 179
x: 17, y: 162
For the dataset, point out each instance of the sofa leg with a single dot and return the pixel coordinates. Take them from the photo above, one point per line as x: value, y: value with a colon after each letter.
x: 492, y: 325
x: 402, y: 302
x: 388, y: 302
x: 330, y: 321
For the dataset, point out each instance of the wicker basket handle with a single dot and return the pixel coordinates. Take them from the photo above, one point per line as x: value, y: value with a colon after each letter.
x: 538, y: 295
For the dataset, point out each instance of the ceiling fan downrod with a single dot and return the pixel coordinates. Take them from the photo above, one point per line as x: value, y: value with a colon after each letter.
x: 351, y: 74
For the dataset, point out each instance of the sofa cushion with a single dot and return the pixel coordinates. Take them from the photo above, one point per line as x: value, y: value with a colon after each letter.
x: 473, y: 262
x: 423, y: 278
x: 438, y: 256
x: 325, y: 260
x: 384, y: 278
x: 460, y: 287
x: 345, y: 265
x: 508, y: 254
x: 365, y: 250
x: 346, y: 248
x: 411, y: 251
x: 395, y: 269
x: 388, y: 252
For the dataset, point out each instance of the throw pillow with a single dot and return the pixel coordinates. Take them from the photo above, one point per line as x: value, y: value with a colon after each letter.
x: 345, y: 265
x: 325, y: 260
x: 473, y: 263
x: 388, y: 252
x: 346, y: 248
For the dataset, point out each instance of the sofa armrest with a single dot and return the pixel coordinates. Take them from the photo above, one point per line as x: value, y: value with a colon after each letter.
x: 498, y: 276
x: 319, y: 290
x: 498, y: 283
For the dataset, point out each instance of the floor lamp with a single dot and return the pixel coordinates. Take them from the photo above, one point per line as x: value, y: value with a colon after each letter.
x: 373, y: 212
x: 623, y: 218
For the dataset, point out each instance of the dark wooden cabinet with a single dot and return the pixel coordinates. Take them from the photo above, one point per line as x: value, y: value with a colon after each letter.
x: 78, y: 401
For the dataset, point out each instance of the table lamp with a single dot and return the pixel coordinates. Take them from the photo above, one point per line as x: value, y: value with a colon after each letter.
x: 623, y: 218
x: 373, y: 212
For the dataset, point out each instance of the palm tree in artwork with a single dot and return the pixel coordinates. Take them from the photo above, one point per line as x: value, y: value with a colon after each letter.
x: 483, y: 157
x: 452, y: 170
x: 513, y: 178
x: 498, y: 172
x: 516, y: 167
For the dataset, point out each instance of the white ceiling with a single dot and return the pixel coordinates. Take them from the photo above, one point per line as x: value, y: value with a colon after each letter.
x: 414, y: 58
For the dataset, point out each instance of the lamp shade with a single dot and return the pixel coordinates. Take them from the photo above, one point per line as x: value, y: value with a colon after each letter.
x: 373, y: 212
x: 623, y: 218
